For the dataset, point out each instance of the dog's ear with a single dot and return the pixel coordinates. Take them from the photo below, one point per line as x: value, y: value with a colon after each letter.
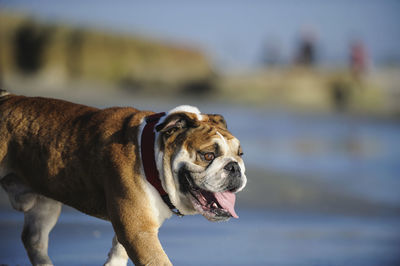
x: 177, y: 121
x: 217, y: 120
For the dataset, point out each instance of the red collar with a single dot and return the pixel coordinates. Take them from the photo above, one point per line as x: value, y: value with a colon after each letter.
x: 148, y: 159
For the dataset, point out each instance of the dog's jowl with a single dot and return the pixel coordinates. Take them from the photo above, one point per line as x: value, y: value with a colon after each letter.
x: 134, y: 168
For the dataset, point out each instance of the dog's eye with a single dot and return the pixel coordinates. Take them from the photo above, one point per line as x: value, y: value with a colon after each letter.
x: 209, y: 156
x: 170, y: 131
x: 240, y: 152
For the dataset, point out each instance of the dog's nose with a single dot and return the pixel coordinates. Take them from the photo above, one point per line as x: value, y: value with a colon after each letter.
x: 233, y: 169
x: 234, y: 180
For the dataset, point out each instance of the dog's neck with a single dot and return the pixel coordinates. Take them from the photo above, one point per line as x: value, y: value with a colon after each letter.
x: 148, y: 159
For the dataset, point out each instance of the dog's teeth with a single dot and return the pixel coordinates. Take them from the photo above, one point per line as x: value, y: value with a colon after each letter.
x: 214, y: 205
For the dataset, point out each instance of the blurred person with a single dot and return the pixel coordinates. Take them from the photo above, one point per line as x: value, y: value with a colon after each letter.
x: 306, y: 51
x: 358, y: 59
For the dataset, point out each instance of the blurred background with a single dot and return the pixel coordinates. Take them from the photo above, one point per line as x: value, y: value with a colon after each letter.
x: 311, y: 88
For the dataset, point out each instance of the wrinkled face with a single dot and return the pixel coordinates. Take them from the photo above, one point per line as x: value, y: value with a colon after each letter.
x: 203, y: 165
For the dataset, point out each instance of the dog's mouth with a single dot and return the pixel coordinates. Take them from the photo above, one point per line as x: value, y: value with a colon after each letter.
x: 215, y: 206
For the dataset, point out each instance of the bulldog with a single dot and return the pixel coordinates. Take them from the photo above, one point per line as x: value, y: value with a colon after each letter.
x: 133, y: 168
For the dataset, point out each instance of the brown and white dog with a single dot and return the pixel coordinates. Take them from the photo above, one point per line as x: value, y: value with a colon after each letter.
x: 133, y: 168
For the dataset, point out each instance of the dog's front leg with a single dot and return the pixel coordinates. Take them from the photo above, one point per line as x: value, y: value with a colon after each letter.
x: 136, y: 229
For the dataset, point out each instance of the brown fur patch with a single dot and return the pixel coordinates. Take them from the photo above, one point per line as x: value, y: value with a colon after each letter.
x: 86, y: 158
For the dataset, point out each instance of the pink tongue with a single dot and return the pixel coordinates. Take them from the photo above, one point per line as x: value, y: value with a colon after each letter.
x: 227, y: 201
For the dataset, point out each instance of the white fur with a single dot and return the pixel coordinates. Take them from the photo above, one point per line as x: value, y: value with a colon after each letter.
x: 171, y: 175
x: 183, y: 108
x: 117, y: 255
x: 168, y: 181
x: 159, y: 207
x: 223, y: 140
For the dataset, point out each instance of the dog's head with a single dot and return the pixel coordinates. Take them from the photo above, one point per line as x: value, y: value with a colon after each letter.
x: 201, y: 163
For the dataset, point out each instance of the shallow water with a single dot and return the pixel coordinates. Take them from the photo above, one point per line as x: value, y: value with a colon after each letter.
x: 256, y: 238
